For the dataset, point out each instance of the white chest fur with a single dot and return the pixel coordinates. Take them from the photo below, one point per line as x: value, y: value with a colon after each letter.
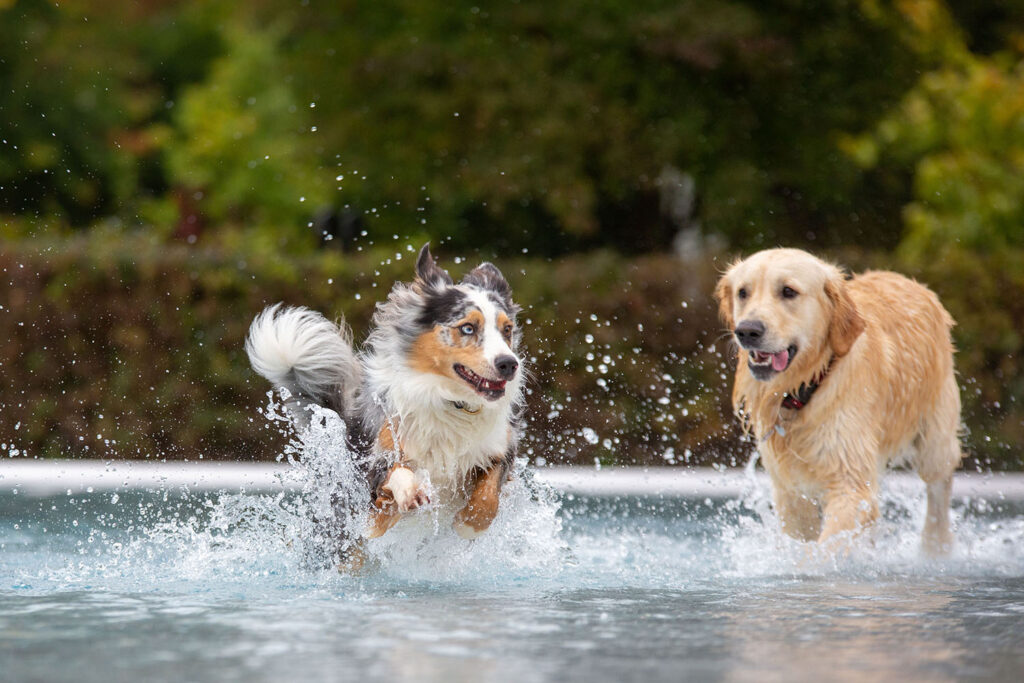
x: 447, y: 442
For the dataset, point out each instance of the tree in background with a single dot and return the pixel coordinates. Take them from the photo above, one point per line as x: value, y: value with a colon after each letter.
x: 551, y: 127
x: 59, y: 104
x: 237, y: 147
x: 960, y: 132
x: 548, y: 127
x: 84, y: 83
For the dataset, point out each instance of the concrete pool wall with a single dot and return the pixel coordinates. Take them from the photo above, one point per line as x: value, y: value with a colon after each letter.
x: 50, y: 477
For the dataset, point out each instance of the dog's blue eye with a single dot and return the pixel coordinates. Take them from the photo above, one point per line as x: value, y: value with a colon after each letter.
x: 467, y: 329
x: 788, y: 293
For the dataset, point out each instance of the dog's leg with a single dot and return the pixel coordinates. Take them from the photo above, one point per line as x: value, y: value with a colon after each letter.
x: 937, y: 455
x: 352, y: 560
x: 383, y: 516
x: 400, y: 493
x: 799, y: 515
x: 937, y: 539
x: 848, y: 507
x: 482, y: 508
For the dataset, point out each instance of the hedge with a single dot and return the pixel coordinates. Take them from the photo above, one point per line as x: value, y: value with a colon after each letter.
x: 122, y: 346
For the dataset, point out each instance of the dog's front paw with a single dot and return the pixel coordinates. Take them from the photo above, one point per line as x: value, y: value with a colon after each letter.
x: 464, y: 530
x: 414, y: 499
x: 473, y: 520
x: 407, y: 492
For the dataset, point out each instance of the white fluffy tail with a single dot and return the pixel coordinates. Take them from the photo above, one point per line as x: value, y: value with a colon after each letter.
x: 304, y: 352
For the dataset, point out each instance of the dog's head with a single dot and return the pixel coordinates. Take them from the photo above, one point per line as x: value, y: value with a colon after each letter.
x: 466, y: 332
x: 787, y: 308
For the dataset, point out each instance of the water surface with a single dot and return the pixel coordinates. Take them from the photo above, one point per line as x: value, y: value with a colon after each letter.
x: 163, y: 586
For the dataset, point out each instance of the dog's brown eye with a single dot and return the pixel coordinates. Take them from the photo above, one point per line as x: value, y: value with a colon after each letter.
x: 742, y: 293
x: 507, y: 331
x: 468, y: 329
x: 788, y: 293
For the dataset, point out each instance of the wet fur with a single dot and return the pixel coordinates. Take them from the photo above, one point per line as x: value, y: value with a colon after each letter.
x: 889, y: 397
x: 421, y: 431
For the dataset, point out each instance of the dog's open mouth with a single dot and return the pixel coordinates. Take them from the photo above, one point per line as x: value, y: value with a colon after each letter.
x: 764, y: 363
x: 488, y: 388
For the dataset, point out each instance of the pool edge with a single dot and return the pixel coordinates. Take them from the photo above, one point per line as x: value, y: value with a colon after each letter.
x: 40, y: 478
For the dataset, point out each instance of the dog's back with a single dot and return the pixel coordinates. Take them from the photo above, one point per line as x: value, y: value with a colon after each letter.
x: 908, y: 351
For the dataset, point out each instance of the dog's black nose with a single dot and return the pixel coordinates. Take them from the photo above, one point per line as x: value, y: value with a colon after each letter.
x: 749, y: 331
x: 506, y: 366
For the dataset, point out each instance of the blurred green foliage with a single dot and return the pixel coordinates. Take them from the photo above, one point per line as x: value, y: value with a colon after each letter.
x: 234, y: 137
x: 168, y: 164
x: 960, y: 133
x: 552, y: 127
x: 516, y: 125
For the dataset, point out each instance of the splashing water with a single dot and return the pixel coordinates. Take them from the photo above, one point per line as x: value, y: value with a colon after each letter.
x: 563, y: 586
x: 304, y: 533
x: 539, y: 538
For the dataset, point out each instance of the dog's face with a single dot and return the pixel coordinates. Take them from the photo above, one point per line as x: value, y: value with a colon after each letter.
x: 785, y: 306
x: 468, y: 331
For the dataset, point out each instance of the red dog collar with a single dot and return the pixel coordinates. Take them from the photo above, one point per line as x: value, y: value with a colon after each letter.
x: 804, y: 393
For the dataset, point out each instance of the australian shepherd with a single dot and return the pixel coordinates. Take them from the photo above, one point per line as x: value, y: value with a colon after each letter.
x: 432, y: 402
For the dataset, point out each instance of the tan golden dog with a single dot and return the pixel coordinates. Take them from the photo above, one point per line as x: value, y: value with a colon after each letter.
x: 838, y: 378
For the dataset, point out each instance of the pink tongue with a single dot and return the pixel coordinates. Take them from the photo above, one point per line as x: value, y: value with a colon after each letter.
x: 780, y: 360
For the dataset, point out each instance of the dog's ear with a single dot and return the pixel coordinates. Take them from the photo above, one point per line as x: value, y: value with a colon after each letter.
x: 487, y: 276
x: 428, y: 272
x: 723, y: 293
x: 846, y: 324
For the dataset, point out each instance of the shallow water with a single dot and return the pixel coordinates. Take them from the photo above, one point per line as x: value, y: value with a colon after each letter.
x: 142, y: 586
x: 177, y: 586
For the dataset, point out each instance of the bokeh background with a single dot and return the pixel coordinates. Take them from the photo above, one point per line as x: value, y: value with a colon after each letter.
x: 168, y: 168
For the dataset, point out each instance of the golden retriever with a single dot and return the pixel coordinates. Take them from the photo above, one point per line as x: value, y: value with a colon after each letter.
x: 839, y: 378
